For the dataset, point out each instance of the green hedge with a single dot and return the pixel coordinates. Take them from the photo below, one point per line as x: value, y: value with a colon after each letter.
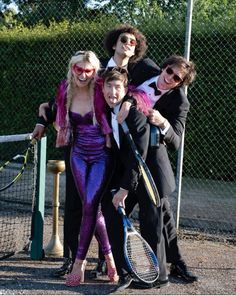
x: 33, y: 61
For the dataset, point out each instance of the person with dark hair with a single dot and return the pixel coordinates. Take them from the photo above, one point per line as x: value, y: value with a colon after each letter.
x: 167, y: 120
x: 127, y: 177
x: 125, y: 45
x: 140, y: 69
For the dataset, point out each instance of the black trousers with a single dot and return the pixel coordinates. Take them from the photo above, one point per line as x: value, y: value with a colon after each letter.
x: 166, y: 225
x: 173, y: 254
x: 72, y: 211
x: 151, y: 226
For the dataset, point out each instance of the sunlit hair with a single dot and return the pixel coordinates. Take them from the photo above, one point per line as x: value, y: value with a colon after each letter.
x: 80, y: 56
x: 187, y: 67
x: 115, y: 73
x: 112, y: 37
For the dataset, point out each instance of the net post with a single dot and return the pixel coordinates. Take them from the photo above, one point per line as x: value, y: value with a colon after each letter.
x: 37, y: 252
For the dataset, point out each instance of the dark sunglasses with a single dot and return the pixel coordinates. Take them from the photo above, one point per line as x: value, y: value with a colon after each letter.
x: 125, y: 40
x: 176, y: 78
x: 78, y: 70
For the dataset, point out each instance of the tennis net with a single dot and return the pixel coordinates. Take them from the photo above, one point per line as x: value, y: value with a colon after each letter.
x: 17, y: 192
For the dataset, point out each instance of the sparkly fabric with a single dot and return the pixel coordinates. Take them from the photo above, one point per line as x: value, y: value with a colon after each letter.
x: 62, y: 122
x: 90, y: 164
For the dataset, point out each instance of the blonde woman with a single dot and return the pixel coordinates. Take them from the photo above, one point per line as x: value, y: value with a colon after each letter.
x: 81, y: 121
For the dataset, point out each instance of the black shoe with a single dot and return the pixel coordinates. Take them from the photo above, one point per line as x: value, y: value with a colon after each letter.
x: 64, y: 269
x: 157, y: 284
x: 100, y: 270
x: 180, y: 270
x: 124, y: 283
x: 161, y: 283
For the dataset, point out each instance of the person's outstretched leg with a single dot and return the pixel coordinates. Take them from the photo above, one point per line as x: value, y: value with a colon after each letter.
x: 90, y: 179
x: 72, y: 212
x: 104, y: 244
x: 178, y: 267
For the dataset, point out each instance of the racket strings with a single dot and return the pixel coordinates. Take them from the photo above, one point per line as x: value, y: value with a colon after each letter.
x: 141, y: 258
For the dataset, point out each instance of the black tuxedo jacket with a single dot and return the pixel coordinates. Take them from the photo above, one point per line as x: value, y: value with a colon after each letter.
x: 174, y: 106
x: 126, y: 173
x: 142, y: 70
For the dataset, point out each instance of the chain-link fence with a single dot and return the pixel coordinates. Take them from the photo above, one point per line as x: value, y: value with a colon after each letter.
x: 38, y: 41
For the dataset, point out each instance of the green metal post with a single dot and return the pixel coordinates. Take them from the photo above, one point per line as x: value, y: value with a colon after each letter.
x: 37, y: 252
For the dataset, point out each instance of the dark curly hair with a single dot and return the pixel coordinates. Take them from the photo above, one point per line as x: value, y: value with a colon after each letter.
x: 112, y: 36
x: 188, y: 68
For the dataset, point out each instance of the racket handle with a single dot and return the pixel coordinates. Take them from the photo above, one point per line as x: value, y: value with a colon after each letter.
x: 125, y: 127
x: 33, y: 141
x: 121, y: 209
x: 113, y: 191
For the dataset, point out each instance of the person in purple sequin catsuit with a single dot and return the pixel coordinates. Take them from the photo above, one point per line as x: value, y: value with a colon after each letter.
x: 81, y: 121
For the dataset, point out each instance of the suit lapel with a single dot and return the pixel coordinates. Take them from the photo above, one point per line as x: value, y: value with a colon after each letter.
x: 164, y: 101
x: 113, y: 141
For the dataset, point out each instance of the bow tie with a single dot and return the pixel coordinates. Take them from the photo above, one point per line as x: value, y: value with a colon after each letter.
x: 154, y: 86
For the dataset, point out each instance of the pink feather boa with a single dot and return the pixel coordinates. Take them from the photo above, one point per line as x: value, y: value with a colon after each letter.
x: 62, y: 123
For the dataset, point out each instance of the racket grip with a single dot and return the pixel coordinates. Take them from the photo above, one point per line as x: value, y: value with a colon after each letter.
x: 113, y: 191
x: 120, y: 208
x: 33, y: 141
x: 125, y: 127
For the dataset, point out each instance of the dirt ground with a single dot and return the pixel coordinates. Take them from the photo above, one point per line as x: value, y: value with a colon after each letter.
x: 213, y: 261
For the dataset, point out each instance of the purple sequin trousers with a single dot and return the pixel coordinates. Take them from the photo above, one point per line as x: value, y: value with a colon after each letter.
x: 90, y: 165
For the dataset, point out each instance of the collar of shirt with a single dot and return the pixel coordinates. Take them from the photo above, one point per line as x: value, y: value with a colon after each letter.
x: 112, y: 64
x: 150, y: 91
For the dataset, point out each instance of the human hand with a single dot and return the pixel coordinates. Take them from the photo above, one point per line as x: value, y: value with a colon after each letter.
x: 42, y: 110
x: 124, y: 112
x: 108, y: 141
x: 38, y: 132
x: 155, y: 117
x: 119, y: 198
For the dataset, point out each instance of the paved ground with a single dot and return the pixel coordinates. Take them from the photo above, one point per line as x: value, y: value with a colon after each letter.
x: 213, y: 261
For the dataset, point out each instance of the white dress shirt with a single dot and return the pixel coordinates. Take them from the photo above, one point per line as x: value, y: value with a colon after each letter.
x: 153, y: 98
x: 112, y: 64
x: 115, y: 125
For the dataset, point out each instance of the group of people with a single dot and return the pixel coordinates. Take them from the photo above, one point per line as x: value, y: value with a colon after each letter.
x: 87, y: 111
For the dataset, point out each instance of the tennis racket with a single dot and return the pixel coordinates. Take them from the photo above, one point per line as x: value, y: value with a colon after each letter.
x: 140, y: 259
x: 15, y: 167
x: 144, y: 170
